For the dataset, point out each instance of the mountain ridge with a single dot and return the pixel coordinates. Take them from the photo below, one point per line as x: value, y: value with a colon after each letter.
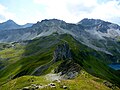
x: 98, y: 37
x: 63, y: 51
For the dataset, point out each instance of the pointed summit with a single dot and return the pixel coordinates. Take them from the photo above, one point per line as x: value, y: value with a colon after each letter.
x: 90, y: 22
x: 9, y: 21
x: 9, y: 24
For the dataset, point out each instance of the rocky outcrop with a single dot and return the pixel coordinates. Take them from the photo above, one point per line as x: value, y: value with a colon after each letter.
x: 68, y: 69
x: 62, y: 52
x: 110, y: 85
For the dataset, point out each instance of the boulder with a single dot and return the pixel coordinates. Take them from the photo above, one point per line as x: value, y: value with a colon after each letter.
x: 52, y: 85
x: 64, y: 87
x: 26, y: 88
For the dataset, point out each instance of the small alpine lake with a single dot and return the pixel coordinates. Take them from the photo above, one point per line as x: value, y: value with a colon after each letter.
x: 115, y: 66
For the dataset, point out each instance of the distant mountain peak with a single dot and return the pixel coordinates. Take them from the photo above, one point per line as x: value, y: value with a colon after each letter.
x: 10, y: 24
x: 98, y: 22
x: 55, y: 21
x: 90, y: 22
x: 10, y: 21
x: 50, y: 22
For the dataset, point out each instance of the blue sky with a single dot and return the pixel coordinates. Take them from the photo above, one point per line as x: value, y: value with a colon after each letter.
x: 72, y: 11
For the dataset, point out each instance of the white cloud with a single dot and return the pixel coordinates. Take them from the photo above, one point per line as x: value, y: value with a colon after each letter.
x: 75, y: 10
x: 106, y: 11
x: 68, y: 10
x: 5, y: 14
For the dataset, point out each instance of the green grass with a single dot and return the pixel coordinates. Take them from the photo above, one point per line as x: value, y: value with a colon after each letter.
x: 52, y: 67
x: 12, y: 54
x: 23, y: 81
x: 36, y: 53
x: 84, y: 81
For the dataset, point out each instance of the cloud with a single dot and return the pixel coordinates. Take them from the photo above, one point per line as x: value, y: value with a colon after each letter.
x: 106, y: 11
x: 71, y: 11
x: 75, y: 10
x: 68, y: 10
x: 4, y: 14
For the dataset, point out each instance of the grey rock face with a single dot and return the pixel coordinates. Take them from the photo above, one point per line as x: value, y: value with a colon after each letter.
x: 90, y: 22
x: 62, y: 52
x: 68, y: 69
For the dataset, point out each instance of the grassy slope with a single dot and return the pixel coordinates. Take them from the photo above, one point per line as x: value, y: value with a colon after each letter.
x: 37, y: 53
x: 11, y: 54
x: 83, y: 82
x: 40, y: 51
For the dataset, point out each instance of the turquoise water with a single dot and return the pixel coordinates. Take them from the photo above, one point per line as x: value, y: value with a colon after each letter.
x: 115, y: 66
